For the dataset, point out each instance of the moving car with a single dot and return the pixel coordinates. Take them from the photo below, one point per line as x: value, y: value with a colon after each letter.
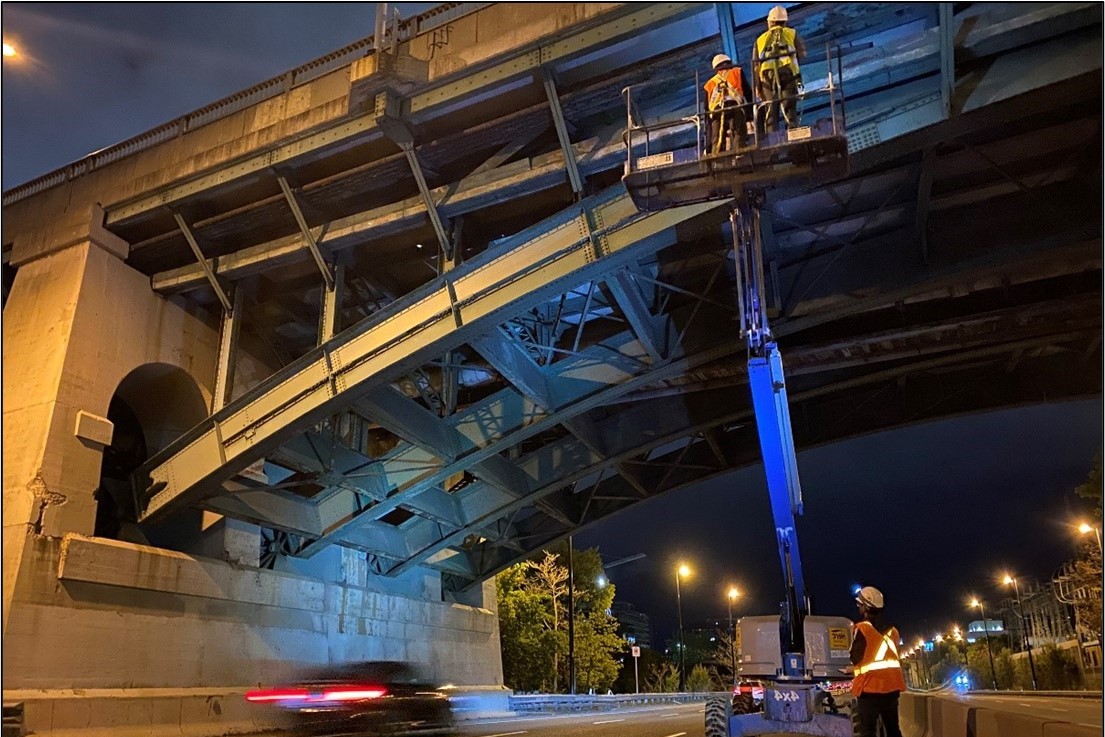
x: 369, y: 698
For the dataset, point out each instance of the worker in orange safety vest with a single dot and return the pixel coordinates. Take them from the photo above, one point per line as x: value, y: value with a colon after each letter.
x: 724, y: 104
x: 877, y: 681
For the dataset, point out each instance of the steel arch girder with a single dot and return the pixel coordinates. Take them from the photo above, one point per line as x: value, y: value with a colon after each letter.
x: 427, y: 323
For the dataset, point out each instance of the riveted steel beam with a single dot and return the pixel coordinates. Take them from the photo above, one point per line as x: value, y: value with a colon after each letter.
x: 924, y: 193
x: 329, y: 321
x: 279, y: 511
x: 587, y: 432
x: 402, y: 137
x: 633, y: 305
x: 548, y: 76
x: 946, y: 26
x: 207, y: 272
x: 305, y: 232
x: 507, y: 356
x: 227, y: 357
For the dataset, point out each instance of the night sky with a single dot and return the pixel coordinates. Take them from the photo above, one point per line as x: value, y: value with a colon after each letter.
x: 927, y: 513
x: 94, y: 74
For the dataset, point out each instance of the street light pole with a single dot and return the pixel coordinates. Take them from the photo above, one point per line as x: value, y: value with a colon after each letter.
x: 733, y: 594
x: 681, y: 571
x: 571, y: 623
x: 1024, y: 628
x: 986, y: 634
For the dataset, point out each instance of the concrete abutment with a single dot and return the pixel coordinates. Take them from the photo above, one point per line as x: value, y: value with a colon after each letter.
x: 115, y: 633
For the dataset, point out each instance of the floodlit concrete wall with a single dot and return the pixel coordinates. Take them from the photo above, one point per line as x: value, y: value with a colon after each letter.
x: 120, y: 615
x: 496, y: 30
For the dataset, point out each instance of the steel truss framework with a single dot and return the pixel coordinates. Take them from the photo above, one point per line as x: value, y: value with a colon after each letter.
x: 496, y: 392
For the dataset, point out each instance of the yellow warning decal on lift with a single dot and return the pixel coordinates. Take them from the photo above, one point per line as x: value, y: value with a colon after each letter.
x: 651, y: 162
x: 799, y: 134
x: 838, y: 638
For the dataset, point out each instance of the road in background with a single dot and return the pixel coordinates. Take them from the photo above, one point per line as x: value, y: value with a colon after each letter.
x: 1085, y: 712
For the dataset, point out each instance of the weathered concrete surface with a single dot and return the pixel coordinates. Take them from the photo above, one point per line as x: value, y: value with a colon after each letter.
x: 141, y: 626
x: 76, y: 323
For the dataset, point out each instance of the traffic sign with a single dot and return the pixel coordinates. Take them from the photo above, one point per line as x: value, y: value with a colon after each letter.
x: 636, y: 651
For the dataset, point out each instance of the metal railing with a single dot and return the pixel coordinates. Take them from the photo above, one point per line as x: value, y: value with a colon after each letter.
x: 830, y: 97
x: 414, y: 26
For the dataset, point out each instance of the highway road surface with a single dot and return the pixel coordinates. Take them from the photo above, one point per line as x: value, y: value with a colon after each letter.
x: 672, y: 720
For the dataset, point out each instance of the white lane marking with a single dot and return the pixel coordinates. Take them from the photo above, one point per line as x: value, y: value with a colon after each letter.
x: 565, y: 717
x: 1056, y: 708
x: 1021, y: 703
x: 505, y: 734
x: 609, y: 721
x: 677, y: 734
x: 665, y: 716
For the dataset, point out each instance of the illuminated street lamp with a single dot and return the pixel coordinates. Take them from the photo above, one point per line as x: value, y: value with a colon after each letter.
x: 986, y: 634
x: 1084, y: 527
x: 733, y: 594
x: 1024, y: 627
x: 9, y: 50
x: 683, y: 571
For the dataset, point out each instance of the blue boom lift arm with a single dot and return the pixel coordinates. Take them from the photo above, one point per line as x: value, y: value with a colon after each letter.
x: 769, y: 402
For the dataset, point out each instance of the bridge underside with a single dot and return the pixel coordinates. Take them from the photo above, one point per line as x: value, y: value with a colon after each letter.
x: 528, y: 356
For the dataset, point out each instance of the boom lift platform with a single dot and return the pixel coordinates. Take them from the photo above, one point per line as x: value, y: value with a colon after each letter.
x: 686, y: 174
x: 796, y: 653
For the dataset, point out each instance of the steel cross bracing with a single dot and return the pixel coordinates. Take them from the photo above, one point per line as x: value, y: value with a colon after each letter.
x: 532, y: 458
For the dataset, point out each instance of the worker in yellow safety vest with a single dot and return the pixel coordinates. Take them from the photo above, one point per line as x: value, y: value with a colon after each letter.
x: 724, y: 105
x: 877, y: 679
x: 775, y: 65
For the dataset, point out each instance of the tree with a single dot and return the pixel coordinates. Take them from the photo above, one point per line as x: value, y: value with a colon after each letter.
x: 699, y: 680
x: 533, y: 623
x: 527, y: 654
x: 1057, y: 671
x: 596, y: 643
x: 550, y: 580
x: 663, y: 678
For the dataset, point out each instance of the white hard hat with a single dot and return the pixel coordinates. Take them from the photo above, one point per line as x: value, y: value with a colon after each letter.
x: 870, y: 596
x: 720, y: 59
x: 778, y: 13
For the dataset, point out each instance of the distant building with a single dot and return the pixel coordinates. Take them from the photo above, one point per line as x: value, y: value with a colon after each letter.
x: 632, y: 623
x: 1047, y: 620
x: 976, y: 630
